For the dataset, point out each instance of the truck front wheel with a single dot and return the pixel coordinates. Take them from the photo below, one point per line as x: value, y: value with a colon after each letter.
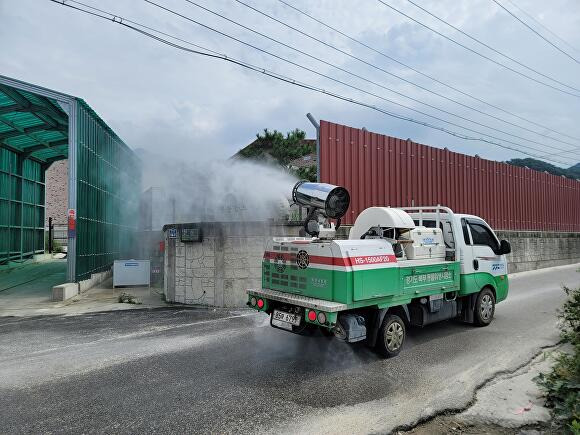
x: 391, y: 336
x: 484, y: 307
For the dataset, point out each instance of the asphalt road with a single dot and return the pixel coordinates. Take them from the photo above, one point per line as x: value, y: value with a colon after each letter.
x: 198, y: 371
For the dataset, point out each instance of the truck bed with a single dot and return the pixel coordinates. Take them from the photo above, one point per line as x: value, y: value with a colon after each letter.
x: 303, y: 301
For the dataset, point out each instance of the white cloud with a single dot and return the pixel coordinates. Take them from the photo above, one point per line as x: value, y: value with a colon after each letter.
x: 157, y: 97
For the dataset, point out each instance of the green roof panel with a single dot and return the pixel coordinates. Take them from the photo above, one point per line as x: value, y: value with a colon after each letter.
x: 32, y: 125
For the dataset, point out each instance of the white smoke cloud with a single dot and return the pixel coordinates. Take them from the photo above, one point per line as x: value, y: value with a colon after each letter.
x: 215, y: 190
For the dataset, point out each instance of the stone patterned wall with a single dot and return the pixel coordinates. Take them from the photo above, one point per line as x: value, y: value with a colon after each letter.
x: 218, y: 270
x: 56, y: 183
x: 195, y: 272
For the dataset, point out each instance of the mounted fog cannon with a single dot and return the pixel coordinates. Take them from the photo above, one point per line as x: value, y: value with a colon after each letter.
x: 401, y: 267
x: 324, y: 201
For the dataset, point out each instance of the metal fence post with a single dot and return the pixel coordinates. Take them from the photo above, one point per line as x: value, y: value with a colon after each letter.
x: 317, y: 127
x: 50, y: 235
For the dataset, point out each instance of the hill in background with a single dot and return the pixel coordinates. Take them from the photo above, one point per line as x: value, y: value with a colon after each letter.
x: 539, y: 165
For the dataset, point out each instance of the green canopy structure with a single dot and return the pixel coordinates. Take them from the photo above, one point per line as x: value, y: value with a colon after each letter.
x: 39, y: 126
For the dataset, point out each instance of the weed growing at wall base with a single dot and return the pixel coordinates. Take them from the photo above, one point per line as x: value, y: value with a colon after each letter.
x: 561, y: 385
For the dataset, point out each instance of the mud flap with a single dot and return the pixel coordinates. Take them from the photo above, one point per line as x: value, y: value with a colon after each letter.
x: 467, y: 307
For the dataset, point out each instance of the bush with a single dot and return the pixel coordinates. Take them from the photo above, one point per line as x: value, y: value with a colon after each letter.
x: 561, y: 385
x: 308, y: 173
x: 56, y: 246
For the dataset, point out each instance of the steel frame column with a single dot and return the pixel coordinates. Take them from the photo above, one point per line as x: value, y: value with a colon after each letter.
x: 20, y: 171
x: 72, y: 185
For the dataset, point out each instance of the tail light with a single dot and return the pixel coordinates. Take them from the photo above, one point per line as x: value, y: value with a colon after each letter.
x: 312, y: 315
x: 253, y: 301
x: 321, y: 318
x: 260, y: 303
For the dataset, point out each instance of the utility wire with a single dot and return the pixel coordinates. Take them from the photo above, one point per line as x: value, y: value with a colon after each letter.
x: 483, y: 55
x: 435, y: 79
x: 213, y: 54
x: 332, y: 65
x: 357, y: 88
x: 539, y: 23
x: 535, y: 31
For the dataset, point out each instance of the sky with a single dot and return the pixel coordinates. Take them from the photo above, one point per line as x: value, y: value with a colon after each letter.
x: 195, y: 108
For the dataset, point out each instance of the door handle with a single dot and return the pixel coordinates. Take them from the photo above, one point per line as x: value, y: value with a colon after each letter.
x: 476, y: 264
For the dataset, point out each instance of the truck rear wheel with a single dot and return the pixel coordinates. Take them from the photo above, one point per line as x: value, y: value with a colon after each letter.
x: 391, y: 336
x: 484, y: 307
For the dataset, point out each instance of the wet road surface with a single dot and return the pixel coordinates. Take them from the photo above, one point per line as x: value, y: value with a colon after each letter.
x: 201, y: 371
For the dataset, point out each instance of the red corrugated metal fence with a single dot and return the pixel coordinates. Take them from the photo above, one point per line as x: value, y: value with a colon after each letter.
x: 380, y: 170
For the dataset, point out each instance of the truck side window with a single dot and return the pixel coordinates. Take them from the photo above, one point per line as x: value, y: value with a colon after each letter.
x: 482, y: 235
x: 447, y: 234
x: 465, y: 232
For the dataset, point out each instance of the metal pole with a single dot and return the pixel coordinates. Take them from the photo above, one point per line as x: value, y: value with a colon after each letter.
x: 317, y: 127
x: 9, y: 210
x: 21, y: 172
x: 50, y: 235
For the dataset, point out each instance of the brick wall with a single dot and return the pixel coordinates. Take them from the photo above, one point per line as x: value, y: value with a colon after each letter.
x: 57, y: 193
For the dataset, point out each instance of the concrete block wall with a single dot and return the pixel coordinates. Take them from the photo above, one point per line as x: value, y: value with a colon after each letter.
x: 531, y: 250
x: 218, y: 270
x: 538, y: 249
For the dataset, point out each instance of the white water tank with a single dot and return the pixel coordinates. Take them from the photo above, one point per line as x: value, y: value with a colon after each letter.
x: 384, y: 217
x: 426, y: 243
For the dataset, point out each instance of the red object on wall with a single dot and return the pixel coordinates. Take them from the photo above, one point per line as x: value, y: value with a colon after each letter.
x: 381, y: 170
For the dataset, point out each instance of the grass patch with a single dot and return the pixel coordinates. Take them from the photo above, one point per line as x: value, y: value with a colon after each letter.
x: 561, y: 386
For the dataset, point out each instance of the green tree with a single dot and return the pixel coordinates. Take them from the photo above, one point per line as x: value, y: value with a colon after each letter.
x: 284, y: 148
x: 308, y: 173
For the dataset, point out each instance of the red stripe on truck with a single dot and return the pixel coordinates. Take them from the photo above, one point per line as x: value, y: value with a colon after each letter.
x: 336, y: 261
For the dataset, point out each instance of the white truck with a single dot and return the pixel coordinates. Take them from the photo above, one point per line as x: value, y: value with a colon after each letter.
x: 399, y: 267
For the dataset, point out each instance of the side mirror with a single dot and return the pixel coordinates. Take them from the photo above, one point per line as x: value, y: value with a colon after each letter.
x: 505, y: 247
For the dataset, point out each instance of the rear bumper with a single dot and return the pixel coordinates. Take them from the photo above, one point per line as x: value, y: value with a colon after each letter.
x: 301, y: 301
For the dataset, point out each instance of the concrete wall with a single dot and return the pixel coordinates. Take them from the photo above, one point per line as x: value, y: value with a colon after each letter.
x: 218, y: 270
x: 538, y: 249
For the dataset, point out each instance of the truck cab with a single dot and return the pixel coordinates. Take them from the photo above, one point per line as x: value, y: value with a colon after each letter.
x: 482, y: 255
x: 399, y: 268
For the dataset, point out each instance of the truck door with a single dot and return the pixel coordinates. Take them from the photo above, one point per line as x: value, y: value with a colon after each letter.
x: 466, y: 250
x: 485, y: 247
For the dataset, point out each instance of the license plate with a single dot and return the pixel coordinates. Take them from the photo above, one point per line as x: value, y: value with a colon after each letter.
x: 287, y: 318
